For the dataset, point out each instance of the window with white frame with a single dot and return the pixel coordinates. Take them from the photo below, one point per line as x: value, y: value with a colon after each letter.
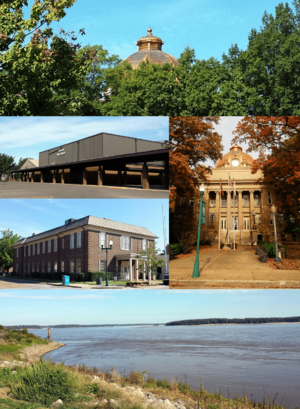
x: 212, y: 217
x: 102, y: 265
x: 223, y: 224
x: 246, y: 224
x: 246, y: 200
x: 125, y: 243
x: 72, y: 266
x: 29, y: 250
x: 49, y: 267
x: 55, y: 266
x: 49, y: 246
x: 78, y: 245
x: 33, y: 249
x: 43, y: 247
x: 24, y: 251
x: 224, y: 201
x: 38, y: 248
x: 144, y: 244
x: 62, y: 266
x: 55, y: 245
x: 78, y: 266
x: 256, y: 199
x: 102, y: 239
x: 257, y: 219
x: 33, y: 267
x: 72, y: 240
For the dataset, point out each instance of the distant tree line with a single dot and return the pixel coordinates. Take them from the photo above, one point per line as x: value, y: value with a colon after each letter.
x: 234, y: 321
x: 20, y: 327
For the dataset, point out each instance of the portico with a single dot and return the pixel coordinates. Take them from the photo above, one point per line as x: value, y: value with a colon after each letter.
x: 128, y: 267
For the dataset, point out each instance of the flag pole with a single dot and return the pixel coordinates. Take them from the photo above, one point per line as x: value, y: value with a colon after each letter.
x: 234, y: 214
x: 228, y: 210
x: 220, y: 217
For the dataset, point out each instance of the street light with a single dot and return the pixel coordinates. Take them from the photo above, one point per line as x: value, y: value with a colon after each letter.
x: 106, y: 249
x: 254, y: 226
x: 196, y: 265
x: 273, y: 210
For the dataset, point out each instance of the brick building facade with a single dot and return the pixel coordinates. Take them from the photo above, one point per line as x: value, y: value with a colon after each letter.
x: 76, y: 248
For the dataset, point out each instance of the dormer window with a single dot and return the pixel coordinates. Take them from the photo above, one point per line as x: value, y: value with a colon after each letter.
x: 235, y: 162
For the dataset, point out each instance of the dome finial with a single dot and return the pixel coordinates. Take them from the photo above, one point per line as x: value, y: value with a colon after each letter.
x: 149, y: 32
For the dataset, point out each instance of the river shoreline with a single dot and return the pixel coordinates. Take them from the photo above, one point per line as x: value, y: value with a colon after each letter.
x: 35, y: 353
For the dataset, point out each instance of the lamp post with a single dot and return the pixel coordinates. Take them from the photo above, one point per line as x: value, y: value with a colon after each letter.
x: 196, y: 265
x: 106, y: 249
x: 273, y: 210
x: 254, y: 226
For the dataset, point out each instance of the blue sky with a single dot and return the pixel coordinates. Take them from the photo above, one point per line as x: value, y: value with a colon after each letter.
x: 28, y: 216
x: 26, y: 137
x: 208, y: 26
x: 44, y: 307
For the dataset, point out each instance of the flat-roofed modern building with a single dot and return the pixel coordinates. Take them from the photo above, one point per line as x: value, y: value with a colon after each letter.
x: 102, y: 159
x: 75, y: 248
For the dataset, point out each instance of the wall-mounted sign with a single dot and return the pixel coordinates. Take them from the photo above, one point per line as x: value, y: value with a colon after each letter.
x: 61, y: 152
x: 203, y: 218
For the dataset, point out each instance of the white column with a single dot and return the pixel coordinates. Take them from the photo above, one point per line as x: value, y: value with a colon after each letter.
x: 149, y: 276
x: 144, y: 273
x: 137, y: 269
x: 130, y: 269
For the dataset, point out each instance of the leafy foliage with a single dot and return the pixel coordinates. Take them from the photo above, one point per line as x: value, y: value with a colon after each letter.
x: 149, y: 260
x: 6, y: 163
x: 6, y: 250
x: 184, y: 227
x: 43, y: 383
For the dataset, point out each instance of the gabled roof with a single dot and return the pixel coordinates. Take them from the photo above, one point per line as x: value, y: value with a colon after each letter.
x: 90, y: 221
x: 30, y: 163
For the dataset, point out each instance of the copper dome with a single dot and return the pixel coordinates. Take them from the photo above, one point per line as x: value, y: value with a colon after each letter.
x: 150, y: 48
x: 236, y: 154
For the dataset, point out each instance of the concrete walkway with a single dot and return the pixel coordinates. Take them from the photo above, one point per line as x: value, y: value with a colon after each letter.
x: 239, y: 269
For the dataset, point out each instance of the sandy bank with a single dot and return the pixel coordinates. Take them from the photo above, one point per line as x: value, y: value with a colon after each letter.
x: 35, y: 352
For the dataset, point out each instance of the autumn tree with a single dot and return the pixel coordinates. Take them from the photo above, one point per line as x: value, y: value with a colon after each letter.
x: 184, y: 227
x: 37, y: 66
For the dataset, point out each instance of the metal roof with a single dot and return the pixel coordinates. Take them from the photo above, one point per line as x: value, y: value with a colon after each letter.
x: 89, y: 221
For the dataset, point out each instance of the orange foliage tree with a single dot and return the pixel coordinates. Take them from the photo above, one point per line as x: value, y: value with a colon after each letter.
x: 277, y: 139
x: 193, y: 141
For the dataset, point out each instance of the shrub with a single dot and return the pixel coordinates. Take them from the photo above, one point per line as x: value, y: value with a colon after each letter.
x: 79, y: 277
x: 272, y: 249
x: 176, y: 248
x: 260, y: 242
x: 43, y: 383
x: 100, y: 274
x: 228, y: 245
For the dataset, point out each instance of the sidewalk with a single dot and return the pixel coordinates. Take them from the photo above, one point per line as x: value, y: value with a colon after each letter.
x: 230, y: 269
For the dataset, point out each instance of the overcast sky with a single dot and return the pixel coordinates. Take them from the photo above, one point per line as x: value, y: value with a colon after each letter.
x: 27, y: 136
x: 28, y: 216
x: 44, y: 307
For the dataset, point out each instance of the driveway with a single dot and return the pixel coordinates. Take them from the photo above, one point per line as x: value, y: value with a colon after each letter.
x: 239, y: 269
x: 48, y: 191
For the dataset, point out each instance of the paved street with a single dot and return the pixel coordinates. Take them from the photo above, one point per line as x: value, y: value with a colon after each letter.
x: 238, y: 269
x: 48, y: 191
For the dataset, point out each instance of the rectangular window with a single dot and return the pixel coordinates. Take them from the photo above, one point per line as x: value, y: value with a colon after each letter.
x: 18, y: 252
x: 55, y: 245
x: 144, y: 244
x: 55, y: 266
x: 246, y: 201
x: 212, y: 202
x: 257, y: 219
x: 223, y: 224
x: 33, y: 249
x: 256, y: 199
x: 78, y: 266
x: 102, y: 239
x: 33, y: 267
x: 38, y: 248
x: 49, y: 246
x: 24, y: 267
x: 224, y: 202
x: 78, y: 240
x: 212, y: 217
x: 43, y: 247
x: 24, y: 251
x: 125, y: 243
x: 102, y: 265
x: 63, y: 243
x: 234, y: 201
x: 37, y: 267
x: 72, y: 266
x: 49, y: 267
x: 246, y: 224
x: 269, y: 198
x: 281, y: 218
x: 29, y: 250
x: 43, y: 267
x: 62, y: 266
x: 72, y: 240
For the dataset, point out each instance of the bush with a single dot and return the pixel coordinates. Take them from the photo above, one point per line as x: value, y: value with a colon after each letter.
x: 58, y: 276
x: 176, y: 248
x: 79, y: 277
x: 43, y: 383
x: 260, y: 242
x: 100, y: 274
x: 272, y: 249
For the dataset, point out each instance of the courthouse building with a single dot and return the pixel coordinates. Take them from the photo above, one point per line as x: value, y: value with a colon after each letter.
x: 75, y: 248
x: 248, y: 214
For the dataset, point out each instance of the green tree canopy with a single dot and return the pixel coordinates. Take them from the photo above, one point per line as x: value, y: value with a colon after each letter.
x: 149, y: 258
x: 6, y: 163
x: 7, y: 240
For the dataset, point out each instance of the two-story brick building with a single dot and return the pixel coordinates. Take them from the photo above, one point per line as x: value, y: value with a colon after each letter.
x: 75, y: 248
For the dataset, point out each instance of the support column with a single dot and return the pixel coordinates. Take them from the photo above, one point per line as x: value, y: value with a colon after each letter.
x: 13, y: 177
x: 229, y: 206
x: 27, y: 177
x: 42, y: 178
x: 84, y: 177
x: 144, y: 273
x: 240, y: 210
x: 119, y: 177
x: 101, y: 173
x: 62, y: 177
x: 54, y: 176
x: 251, y: 192
x: 130, y: 269
x: 145, y: 177
x: 32, y: 177
x: 217, y: 209
x: 125, y: 178
x: 137, y: 269
x: 161, y: 178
